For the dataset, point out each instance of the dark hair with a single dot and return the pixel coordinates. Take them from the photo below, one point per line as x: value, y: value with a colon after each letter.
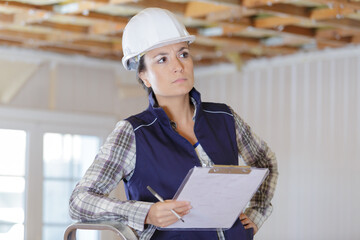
x: 141, y: 68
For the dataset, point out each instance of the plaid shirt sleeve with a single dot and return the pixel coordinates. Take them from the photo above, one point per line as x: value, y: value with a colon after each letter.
x: 256, y: 153
x: 115, y: 161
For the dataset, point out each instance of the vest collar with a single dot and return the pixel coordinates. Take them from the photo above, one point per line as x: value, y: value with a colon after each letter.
x: 160, y: 113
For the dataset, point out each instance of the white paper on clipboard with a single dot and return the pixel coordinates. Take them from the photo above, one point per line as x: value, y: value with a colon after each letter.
x: 217, y: 197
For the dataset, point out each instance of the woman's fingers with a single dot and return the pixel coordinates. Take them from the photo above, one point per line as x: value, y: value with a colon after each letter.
x: 160, y: 213
x: 248, y: 223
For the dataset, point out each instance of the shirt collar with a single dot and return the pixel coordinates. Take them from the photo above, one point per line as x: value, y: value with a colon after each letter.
x: 195, y: 98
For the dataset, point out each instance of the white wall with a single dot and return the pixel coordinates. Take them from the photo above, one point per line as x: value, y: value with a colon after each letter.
x: 70, y: 84
x: 307, y: 107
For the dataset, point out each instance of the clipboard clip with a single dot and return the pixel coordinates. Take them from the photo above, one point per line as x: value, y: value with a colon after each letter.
x: 230, y: 169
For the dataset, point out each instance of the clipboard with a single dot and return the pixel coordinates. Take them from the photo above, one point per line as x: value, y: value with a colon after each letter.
x: 217, y: 194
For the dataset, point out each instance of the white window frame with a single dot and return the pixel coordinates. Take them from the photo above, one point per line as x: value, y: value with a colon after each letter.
x: 36, y: 123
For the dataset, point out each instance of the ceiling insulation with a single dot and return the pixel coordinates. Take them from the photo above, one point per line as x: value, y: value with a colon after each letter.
x: 227, y: 31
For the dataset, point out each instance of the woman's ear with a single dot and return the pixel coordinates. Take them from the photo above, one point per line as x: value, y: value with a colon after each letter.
x: 143, y: 77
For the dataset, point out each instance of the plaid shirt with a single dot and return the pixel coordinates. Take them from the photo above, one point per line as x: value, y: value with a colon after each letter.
x: 116, y: 161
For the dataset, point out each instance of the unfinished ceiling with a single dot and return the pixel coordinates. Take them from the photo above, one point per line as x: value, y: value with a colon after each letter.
x: 227, y: 31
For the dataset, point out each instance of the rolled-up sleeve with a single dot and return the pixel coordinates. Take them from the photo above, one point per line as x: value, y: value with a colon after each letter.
x: 115, y: 161
x: 256, y: 153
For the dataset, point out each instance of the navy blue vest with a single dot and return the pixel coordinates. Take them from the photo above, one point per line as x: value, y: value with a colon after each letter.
x: 163, y: 157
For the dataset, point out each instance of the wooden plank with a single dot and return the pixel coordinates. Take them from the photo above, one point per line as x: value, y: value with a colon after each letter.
x: 308, y: 12
x: 23, y: 34
x: 275, y: 21
x: 339, y: 3
x: 340, y: 40
x: 231, y: 15
x: 11, y: 42
x: 25, y: 15
x: 279, y: 50
x: 201, y: 9
x: 64, y: 49
x: 286, y: 8
x: 336, y: 33
x: 64, y: 26
x: 176, y: 7
x: 106, y: 17
x: 231, y: 28
x: 74, y: 7
x: 343, y: 23
x: 5, y: 17
x: 199, y: 51
x: 355, y: 39
x: 26, y: 5
x: 238, y: 41
x: 326, y: 43
x: 94, y: 43
x: 309, y: 32
x: 256, y: 3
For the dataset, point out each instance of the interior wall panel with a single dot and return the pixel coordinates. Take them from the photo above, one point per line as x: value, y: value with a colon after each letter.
x: 307, y: 109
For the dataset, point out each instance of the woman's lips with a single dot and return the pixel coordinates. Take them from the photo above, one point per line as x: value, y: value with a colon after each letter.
x: 179, y: 80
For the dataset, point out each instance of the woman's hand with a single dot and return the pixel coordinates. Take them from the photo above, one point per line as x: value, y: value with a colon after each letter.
x: 248, y: 223
x: 160, y: 213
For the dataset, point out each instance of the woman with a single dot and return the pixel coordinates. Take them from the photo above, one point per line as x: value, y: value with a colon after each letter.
x: 158, y: 146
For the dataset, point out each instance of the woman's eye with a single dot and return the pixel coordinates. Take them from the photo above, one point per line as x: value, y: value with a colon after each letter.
x: 162, y: 60
x: 184, y: 54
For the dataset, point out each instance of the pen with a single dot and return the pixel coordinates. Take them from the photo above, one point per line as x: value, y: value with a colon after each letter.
x: 162, y: 200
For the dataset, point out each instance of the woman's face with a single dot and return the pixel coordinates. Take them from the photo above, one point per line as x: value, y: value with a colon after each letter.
x: 169, y: 70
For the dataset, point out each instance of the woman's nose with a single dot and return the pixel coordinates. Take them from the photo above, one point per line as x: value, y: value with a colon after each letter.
x: 178, y: 65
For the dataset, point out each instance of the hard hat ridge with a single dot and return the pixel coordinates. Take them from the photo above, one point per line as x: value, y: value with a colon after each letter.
x: 149, y: 29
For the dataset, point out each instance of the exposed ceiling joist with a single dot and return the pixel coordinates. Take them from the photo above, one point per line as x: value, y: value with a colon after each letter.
x: 226, y: 30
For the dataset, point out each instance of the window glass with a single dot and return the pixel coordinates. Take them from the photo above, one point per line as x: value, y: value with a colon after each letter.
x: 66, y: 158
x: 12, y: 184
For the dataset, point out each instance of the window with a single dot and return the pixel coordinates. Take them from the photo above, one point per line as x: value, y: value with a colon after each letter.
x: 12, y: 183
x: 42, y: 156
x: 66, y: 158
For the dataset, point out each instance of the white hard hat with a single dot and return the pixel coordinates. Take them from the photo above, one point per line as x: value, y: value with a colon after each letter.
x: 149, y: 29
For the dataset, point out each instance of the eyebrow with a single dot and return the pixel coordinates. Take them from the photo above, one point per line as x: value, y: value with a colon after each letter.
x: 164, y: 54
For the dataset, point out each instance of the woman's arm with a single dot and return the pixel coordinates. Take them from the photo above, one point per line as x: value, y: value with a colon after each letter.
x: 256, y: 153
x: 116, y: 160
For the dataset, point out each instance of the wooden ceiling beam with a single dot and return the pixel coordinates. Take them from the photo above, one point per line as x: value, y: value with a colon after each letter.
x: 106, y: 45
x: 201, y: 9
x: 22, y: 15
x: 308, y: 12
x: 76, y: 7
x: 64, y: 49
x: 274, y: 21
x: 11, y: 42
x: 286, y: 8
x: 231, y: 15
x: 28, y: 35
x: 326, y: 13
x: 256, y: 3
x: 210, y: 61
x: 326, y: 43
x: 339, y: 3
x: 298, y: 30
x: 334, y: 33
x: 26, y: 5
x: 355, y: 39
x: 7, y: 17
x: 106, y: 17
x: 64, y: 26
x: 343, y: 23
x: 282, y: 50
x: 176, y: 7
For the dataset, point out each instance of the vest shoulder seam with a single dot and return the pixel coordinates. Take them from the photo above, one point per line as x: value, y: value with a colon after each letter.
x: 222, y: 112
x: 145, y: 125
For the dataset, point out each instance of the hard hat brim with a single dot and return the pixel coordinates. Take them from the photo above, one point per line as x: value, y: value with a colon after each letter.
x: 126, y: 59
